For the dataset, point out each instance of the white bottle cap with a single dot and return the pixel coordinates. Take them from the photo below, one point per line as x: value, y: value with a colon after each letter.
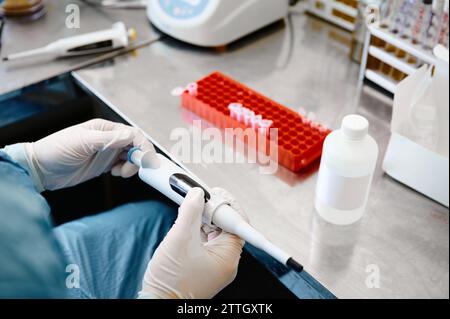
x: 355, y: 127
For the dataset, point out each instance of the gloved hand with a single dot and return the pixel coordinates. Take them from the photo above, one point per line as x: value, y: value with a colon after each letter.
x: 192, y: 261
x: 82, y: 152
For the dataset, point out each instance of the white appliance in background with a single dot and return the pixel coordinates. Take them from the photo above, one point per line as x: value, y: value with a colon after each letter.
x: 418, y: 151
x: 213, y: 23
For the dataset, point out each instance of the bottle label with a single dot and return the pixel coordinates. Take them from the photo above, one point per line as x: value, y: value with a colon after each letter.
x: 341, y: 192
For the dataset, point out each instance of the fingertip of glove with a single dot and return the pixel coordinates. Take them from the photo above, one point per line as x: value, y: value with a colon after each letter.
x: 192, y: 206
x: 196, y: 194
x: 115, y: 171
x: 129, y: 170
x: 195, y: 197
x: 124, y: 170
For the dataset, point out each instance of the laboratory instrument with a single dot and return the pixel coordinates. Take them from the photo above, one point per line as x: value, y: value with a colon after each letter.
x: 298, y: 140
x: 346, y: 172
x: 95, y: 42
x: 213, y: 23
x: 174, y: 182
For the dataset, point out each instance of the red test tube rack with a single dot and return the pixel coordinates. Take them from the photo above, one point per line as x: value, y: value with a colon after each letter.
x: 215, y: 98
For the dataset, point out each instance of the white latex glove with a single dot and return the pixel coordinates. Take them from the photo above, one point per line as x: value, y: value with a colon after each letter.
x: 191, y: 263
x: 82, y: 152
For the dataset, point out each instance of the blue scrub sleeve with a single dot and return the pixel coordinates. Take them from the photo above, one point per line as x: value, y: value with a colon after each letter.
x: 101, y: 256
x: 17, y: 153
x: 110, y: 251
x: 31, y: 262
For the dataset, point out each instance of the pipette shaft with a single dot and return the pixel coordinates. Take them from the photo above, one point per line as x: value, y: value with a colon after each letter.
x: 174, y: 182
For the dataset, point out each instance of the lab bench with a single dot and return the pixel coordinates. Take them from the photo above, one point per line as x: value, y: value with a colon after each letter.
x: 402, y: 239
x: 42, y: 109
x: 16, y: 37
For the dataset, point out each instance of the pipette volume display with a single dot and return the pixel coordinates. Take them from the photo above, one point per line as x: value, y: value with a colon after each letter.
x: 173, y: 182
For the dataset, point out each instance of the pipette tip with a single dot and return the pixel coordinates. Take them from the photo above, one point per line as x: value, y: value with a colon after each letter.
x: 294, y: 265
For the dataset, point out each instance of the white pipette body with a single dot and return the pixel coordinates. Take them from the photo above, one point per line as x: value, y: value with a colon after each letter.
x: 173, y: 181
x: 94, y: 42
x: 229, y: 220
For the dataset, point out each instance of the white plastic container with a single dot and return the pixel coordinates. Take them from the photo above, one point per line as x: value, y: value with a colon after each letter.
x: 425, y: 137
x: 346, y: 172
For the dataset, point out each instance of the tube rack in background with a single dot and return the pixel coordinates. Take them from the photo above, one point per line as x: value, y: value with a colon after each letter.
x: 300, y: 140
x: 388, y: 59
x: 402, y: 40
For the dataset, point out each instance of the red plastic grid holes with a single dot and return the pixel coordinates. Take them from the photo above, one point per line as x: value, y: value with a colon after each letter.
x: 299, y: 140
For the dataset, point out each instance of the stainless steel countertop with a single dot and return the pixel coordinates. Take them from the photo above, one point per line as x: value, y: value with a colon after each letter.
x: 403, y: 233
x: 20, y: 36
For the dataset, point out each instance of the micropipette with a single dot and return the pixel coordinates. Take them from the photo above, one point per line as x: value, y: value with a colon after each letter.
x: 94, y: 42
x: 174, y: 182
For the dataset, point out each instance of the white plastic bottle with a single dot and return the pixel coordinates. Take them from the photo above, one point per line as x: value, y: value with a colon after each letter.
x: 346, y: 172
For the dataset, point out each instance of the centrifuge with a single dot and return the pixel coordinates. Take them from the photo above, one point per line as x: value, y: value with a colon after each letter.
x: 213, y: 23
